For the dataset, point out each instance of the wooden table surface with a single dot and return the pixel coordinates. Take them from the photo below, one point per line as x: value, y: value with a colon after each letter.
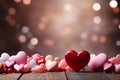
x: 60, y: 76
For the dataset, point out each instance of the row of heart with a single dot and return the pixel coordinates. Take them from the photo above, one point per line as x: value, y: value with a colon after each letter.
x: 73, y: 61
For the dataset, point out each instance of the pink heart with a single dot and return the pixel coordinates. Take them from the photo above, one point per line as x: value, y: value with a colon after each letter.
x: 96, y: 62
x: 115, y: 60
x: 39, y: 68
x: 108, y: 67
x: 117, y: 68
x: 20, y: 58
x: 26, y: 68
x: 51, y: 65
x: 62, y: 65
x: 4, y: 57
x: 18, y: 67
x: 9, y: 63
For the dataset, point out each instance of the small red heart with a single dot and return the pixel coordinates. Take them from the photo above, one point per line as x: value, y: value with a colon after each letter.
x: 77, y: 61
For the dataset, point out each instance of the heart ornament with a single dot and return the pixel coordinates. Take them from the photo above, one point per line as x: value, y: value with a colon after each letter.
x: 77, y: 60
x: 51, y: 65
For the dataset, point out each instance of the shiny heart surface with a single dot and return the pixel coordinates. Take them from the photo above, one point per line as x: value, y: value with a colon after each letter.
x: 51, y: 65
x: 96, y: 62
x: 9, y: 63
x: 77, y: 61
x: 20, y: 58
x: 18, y: 67
x: 4, y: 57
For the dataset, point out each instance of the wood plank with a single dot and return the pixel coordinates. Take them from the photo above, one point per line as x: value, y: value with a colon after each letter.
x: 57, y: 76
x: 44, y: 76
x: 113, y: 76
x: 12, y: 76
x: 86, y: 76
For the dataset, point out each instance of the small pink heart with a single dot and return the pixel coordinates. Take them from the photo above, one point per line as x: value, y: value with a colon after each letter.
x: 9, y: 63
x: 115, y: 60
x: 96, y: 62
x: 51, y: 65
x: 62, y: 65
x: 4, y: 57
x: 18, y: 67
x: 117, y: 68
x: 39, y: 68
x: 20, y: 58
x: 108, y: 67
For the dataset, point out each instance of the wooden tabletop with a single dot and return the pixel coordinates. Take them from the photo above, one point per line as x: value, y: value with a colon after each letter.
x: 60, y: 76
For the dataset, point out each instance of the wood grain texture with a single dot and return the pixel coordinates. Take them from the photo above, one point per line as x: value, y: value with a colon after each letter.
x: 85, y: 76
x: 44, y: 76
x: 113, y: 76
x: 13, y: 76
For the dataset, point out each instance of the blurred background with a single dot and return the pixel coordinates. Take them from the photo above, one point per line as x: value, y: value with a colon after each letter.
x: 56, y: 26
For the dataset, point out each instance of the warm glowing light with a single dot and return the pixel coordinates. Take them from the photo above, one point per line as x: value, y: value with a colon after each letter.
x: 48, y: 42
x: 41, y: 26
x: 34, y: 41
x: 17, y: 1
x: 113, y: 3
x: 67, y: 7
x: 84, y: 35
x: 12, y: 11
x: 26, y: 2
x: 22, y: 39
x: 97, y: 20
x: 96, y: 6
x: 118, y: 43
x: 94, y: 38
x: 103, y: 39
x: 25, y: 29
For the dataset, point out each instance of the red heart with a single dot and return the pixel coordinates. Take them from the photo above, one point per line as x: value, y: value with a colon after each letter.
x: 77, y: 61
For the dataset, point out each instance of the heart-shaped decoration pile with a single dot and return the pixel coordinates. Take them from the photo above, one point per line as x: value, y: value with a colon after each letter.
x: 77, y: 60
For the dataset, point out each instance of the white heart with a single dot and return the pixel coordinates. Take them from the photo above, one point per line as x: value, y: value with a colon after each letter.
x: 4, y: 57
x: 51, y: 65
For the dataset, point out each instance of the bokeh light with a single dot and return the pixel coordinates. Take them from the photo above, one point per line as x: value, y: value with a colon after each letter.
x: 103, y: 39
x: 94, y: 38
x: 60, y: 25
x: 96, y: 6
x: 41, y: 26
x: 34, y: 41
x: 67, y: 7
x: 17, y: 1
x: 22, y: 38
x: 26, y: 2
x: 97, y: 19
x: 113, y: 3
x: 12, y: 11
x: 25, y: 29
x: 118, y: 43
